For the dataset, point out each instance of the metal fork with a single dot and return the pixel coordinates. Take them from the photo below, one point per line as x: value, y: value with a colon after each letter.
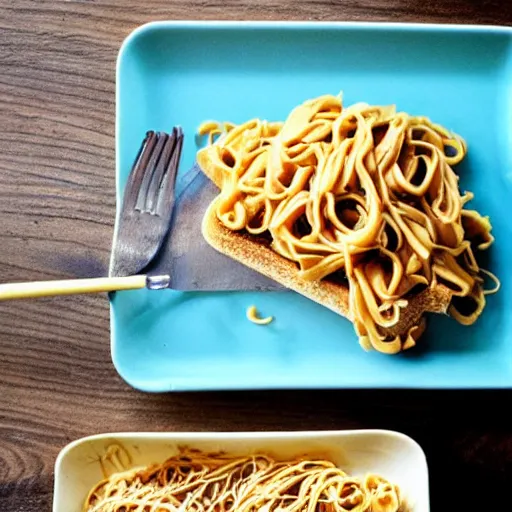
x: 143, y: 223
x: 147, y: 205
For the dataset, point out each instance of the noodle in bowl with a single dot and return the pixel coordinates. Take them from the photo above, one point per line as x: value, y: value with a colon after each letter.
x: 200, y: 482
x: 127, y: 465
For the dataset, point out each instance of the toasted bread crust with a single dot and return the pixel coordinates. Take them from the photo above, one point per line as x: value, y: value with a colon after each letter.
x: 256, y: 254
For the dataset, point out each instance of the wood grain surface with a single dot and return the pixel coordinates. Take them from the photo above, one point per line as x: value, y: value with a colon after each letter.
x: 57, y: 383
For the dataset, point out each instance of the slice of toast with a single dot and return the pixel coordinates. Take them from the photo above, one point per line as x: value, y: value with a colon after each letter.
x: 256, y: 253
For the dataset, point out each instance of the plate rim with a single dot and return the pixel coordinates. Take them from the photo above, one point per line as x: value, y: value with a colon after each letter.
x: 147, y: 27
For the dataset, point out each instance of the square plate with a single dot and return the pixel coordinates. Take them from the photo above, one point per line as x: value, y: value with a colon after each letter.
x: 393, y: 455
x: 186, y: 72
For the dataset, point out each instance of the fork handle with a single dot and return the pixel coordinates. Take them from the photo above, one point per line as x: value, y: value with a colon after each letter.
x: 70, y: 287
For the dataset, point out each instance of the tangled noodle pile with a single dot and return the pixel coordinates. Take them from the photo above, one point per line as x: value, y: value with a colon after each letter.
x: 364, y: 192
x: 199, y: 482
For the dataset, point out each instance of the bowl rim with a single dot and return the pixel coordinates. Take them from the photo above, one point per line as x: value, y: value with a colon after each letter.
x: 230, y: 436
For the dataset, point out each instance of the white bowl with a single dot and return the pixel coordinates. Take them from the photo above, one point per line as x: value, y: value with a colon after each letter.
x: 393, y: 455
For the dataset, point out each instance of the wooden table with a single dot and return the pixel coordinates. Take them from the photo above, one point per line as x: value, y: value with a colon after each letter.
x: 57, y: 382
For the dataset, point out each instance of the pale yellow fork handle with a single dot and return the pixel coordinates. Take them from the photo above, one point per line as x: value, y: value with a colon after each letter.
x: 69, y: 287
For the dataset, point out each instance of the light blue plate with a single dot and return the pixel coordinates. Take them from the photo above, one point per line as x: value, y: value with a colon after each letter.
x: 184, y: 73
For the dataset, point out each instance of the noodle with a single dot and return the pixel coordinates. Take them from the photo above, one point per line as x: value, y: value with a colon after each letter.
x: 364, y: 191
x: 252, y: 316
x: 117, y: 457
x: 198, y: 482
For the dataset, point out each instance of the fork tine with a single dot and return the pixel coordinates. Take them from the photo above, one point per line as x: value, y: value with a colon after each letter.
x: 166, y: 190
x: 161, y: 169
x: 139, y: 168
x: 149, y: 170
